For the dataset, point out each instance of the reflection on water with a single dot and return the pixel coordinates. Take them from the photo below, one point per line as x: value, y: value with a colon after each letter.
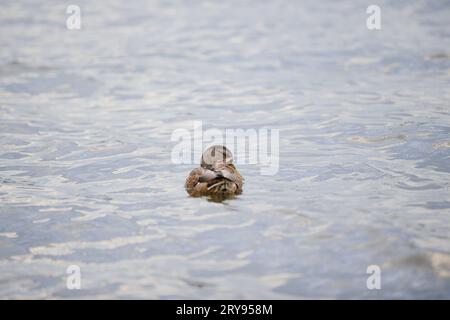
x: 85, y: 170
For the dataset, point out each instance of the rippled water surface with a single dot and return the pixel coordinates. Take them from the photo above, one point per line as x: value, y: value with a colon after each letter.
x: 86, y: 177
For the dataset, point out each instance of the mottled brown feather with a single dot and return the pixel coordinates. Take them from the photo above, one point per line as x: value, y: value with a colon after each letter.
x: 220, y: 187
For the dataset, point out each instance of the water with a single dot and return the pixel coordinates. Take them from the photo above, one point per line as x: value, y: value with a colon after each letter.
x: 85, y: 150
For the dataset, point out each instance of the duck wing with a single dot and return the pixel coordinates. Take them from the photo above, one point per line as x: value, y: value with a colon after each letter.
x: 227, y: 174
x: 208, y: 175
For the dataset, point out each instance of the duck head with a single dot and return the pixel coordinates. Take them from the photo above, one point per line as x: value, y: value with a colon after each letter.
x: 216, y: 156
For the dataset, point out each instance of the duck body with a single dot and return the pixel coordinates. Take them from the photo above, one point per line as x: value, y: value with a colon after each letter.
x: 217, y: 177
x: 226, y: 181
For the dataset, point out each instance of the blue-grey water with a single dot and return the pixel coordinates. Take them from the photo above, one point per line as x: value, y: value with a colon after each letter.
x: 86, y: 177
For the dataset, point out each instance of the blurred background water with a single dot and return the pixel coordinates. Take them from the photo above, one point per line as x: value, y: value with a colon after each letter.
x: 86, y: 176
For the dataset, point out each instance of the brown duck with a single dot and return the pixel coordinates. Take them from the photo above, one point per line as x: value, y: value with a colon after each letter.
x: 217, y: 177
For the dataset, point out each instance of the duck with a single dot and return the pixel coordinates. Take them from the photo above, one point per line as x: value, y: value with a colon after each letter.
x: 217, y: 177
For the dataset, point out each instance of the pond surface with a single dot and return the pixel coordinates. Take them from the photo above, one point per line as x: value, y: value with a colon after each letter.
x: 86, y: 176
